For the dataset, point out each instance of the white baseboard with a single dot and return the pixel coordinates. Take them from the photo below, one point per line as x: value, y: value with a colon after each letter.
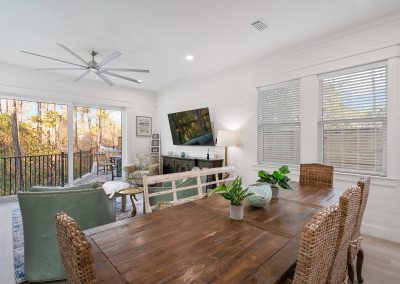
x: 383, y: 232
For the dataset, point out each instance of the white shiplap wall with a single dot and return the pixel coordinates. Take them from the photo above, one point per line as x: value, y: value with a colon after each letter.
x: 232, y: 98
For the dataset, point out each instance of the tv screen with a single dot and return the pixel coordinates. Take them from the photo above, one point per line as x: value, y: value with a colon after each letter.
x: 192, y: 127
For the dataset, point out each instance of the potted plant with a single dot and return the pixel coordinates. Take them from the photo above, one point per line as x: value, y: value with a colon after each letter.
x: 235, y: 193
x: 277, y: 179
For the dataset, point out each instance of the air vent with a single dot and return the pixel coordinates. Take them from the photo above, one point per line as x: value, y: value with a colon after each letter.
x: 259, y: 25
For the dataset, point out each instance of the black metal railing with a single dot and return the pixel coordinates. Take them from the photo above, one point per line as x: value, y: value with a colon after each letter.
x: 20, y: 173
x: 83, y: 161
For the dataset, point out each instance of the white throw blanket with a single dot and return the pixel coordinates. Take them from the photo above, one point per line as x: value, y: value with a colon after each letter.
x: 111, y: 187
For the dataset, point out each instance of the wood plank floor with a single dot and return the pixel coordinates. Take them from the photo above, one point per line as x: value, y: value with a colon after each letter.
x: 381, y: 266
x: 382, y: 261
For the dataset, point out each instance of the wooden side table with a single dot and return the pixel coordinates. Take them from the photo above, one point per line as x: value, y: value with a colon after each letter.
x: 131, y: 192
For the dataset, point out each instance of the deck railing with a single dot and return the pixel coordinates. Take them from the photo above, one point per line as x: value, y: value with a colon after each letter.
x: 83, y: 162
x: 20, y: 173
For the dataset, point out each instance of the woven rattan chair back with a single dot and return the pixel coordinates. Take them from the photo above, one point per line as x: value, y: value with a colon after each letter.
x: 316, y: 174
x: 364, y: 185
x: 317, y: 247
x: 349, y: 205
x: 355, y: 249
x: 75, y: 251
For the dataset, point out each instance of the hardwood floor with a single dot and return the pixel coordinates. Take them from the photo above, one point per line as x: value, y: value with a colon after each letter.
x: 382, y: 258
x: 382, y: 261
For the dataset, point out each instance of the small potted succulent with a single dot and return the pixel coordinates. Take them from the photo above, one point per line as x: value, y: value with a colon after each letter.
x: 235, y: 193
x: 277, y: 179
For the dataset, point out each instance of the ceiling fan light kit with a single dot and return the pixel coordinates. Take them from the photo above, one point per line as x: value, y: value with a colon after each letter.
x: 93, y: 66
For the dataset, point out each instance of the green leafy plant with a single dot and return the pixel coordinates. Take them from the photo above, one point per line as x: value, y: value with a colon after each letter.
x: 234, y: 192
x: 277, y: 177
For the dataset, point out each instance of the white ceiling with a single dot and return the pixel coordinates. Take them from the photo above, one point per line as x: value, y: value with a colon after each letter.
x: 157, y: 35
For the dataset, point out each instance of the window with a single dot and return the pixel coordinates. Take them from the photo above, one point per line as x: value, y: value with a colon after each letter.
x: 279, y: 123
x: 353, y: 118
x: 34, y: 144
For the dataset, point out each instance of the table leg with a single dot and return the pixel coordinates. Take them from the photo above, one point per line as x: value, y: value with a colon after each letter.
x: 133, y: 214
x: 123, y: 203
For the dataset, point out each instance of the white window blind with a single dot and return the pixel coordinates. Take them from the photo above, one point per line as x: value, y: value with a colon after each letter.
x: 353, y: 118
x: 279, y: 123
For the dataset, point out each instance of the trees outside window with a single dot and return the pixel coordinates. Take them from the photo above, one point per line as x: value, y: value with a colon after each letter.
x: 34, y: 141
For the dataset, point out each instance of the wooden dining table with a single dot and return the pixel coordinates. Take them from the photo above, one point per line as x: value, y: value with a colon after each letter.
x: 196, y: 242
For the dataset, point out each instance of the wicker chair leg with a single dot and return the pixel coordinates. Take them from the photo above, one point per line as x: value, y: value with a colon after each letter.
x: 360, y: 260
x: 350, y: 272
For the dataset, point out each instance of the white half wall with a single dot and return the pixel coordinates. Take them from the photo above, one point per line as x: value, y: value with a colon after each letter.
x: 29, y: 84
x: 231, y: 96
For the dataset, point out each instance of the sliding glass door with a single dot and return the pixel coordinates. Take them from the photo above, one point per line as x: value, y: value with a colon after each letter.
x: 34, y: 139
x: 33, y: 145
x: 97, y: 139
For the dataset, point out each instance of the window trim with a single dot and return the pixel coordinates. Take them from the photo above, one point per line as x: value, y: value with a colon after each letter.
x: 321, y: 123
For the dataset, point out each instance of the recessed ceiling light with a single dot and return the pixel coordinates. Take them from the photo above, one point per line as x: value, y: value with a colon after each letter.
x: 140, y: 81
x: 189, y: 57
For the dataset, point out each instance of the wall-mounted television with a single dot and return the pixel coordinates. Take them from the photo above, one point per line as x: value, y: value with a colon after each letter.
x: 192, y: 127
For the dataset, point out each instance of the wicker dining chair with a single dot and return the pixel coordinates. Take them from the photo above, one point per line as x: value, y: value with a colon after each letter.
x: 75, y: 251
x: 317, y: 247
x: 316, y: 174
x: 355, y: 249
x: 349, y: 205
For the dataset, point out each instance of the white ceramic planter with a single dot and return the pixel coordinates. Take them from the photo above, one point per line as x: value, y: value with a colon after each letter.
x: 262, y: 195
x: 236, y: 212
x: 275, y: 192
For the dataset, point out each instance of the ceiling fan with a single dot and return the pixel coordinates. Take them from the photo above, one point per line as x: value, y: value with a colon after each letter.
x: 93, y: 66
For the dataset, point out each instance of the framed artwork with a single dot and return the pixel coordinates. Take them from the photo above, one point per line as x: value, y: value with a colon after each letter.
x: 155, y: 136
x: 143, y: 126
x: 155, y: 143
x: 154, y: 149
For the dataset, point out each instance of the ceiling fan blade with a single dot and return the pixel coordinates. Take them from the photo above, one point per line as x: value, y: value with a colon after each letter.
x: 126, y: 70
x: 83, y: 75
x: 72, y: 68
x: 73, y: 53
x: 104, y: 78
x: 59, y: 60
x: 109, y: 58
x: 122, y: 77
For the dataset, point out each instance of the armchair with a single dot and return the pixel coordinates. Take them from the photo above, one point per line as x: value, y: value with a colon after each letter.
x: 89, y: 206
x: 143, y: 164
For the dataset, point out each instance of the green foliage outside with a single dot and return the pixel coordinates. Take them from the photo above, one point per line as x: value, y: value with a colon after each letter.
x: 42, y: 130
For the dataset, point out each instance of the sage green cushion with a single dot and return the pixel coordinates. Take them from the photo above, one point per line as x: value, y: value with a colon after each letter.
x: 180, y: 194
x: 75, y: 187
x: 90, y: 207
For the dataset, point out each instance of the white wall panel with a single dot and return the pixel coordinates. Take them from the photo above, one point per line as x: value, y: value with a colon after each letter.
x: 231, y: 96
